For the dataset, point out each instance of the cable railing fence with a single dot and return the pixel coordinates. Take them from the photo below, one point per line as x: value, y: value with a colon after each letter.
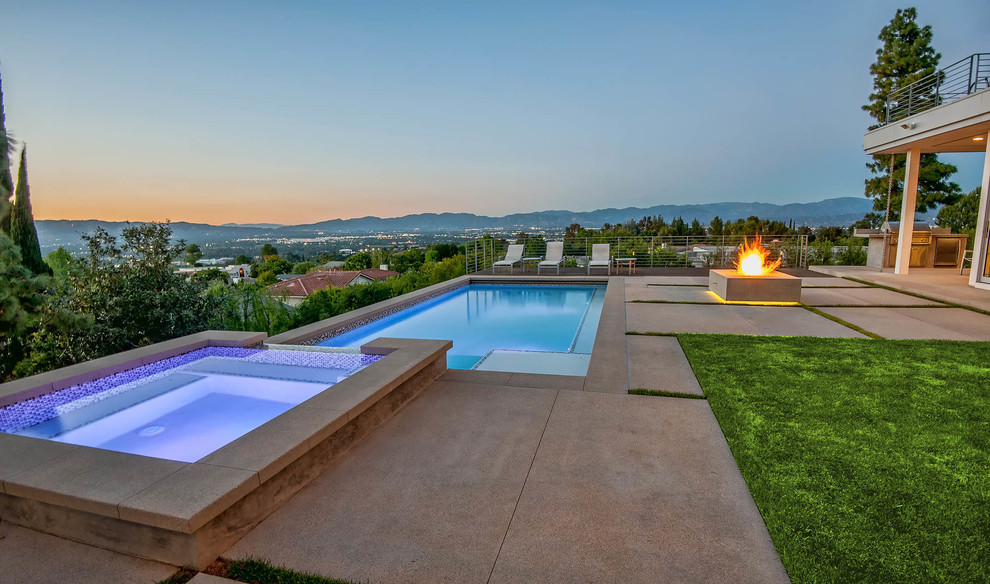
x: 956, y: 81
x: 699, y: 251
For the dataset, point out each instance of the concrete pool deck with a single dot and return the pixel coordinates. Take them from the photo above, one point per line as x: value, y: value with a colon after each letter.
x: 486, y: 483
x: 506, y: 477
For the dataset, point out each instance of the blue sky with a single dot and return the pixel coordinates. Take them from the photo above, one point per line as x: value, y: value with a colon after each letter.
x: 296, y: 112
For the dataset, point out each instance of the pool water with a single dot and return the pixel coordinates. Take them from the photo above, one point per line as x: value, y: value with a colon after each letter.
x: 538, y: 329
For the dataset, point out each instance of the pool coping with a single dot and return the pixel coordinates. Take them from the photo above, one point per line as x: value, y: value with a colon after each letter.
x: 188, y: 513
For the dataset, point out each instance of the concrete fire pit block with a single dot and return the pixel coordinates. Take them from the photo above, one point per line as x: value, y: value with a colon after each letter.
x: 774, y: 287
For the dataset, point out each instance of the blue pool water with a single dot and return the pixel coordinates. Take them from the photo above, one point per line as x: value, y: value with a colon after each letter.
x: 499, y: 323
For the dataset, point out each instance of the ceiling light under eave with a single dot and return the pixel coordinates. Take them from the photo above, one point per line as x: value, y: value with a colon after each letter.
x: 978, y: 139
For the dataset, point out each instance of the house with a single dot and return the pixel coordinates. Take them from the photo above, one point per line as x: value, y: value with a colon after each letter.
x: 297, y: 289
x: 947, y: 111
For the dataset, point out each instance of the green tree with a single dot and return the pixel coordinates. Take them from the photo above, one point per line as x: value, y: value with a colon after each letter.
x: 831, y: 233
x: 129, y: 292
x: 303, y: 267
x: 445, y: 250
x: 246, y: 307
x: 241, y: 260
x: 192, y: 254
x: 381, y: 257
x: 22, y: 299
x: 268, y: 250
x: 905, y: 56
x: 267, y: 278
x: 276, y: 265
x: 717, y: 226
x: 6, y: 179
x: 208, y: 276
x: 358, y: 261
x: 22, y: 230
x: 961, y: 216
x: 61, y: 263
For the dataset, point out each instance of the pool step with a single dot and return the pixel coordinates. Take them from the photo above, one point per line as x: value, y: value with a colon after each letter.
x: 534, y: 362
x: 223, y: 366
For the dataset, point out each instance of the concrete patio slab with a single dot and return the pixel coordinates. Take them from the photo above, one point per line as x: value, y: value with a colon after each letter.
x: 660, y: 363
x: 204, y: 578
x: 676, y: 318
x: 426, y: 498
x: 941, y: 283
x: 670, y: 294
x: 31, y: 557
x: 794, y: 321
x: 687, y: 318
x: 918, y: 323
x: 607, y: 370
x: 546, y: 381
x: 635, y: 489
x: 860, y: 297
x: 472, y: 376
x: 670, y: 280
x: 729, y: 319
x: 830, y: 282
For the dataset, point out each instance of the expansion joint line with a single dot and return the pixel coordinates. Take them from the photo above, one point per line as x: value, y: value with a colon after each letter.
x: 523, y: 489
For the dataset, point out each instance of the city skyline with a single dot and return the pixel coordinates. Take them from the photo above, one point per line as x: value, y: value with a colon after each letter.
x: 276, y: 114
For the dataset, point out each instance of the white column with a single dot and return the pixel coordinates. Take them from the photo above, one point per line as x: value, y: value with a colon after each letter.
x: 908, y: 206
x: 980, y: 241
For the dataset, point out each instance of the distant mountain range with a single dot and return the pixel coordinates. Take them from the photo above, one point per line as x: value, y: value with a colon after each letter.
x: 841, y: 211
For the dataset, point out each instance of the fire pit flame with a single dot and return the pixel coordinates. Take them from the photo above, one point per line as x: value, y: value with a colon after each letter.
x: 753, y: 259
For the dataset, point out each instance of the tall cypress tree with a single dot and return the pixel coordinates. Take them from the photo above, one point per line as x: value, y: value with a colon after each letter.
x: 6, y: 180
x: 22, y: 230
x: 906, y: 56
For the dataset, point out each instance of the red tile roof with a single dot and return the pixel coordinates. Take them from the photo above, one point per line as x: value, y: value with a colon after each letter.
x: 307, y: 284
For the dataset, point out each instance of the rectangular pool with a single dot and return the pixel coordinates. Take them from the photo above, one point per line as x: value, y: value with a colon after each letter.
x: 499, y: 327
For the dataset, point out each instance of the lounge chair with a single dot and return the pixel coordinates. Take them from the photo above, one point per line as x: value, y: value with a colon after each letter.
x: 600, y: 257
x: 555, y: 256
x: 512, y: 257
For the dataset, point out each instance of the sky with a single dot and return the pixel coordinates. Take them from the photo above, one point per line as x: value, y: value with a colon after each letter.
x: 297, y: 112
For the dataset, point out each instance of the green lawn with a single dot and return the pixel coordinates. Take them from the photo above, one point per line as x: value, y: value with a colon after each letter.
x: 869, y: 459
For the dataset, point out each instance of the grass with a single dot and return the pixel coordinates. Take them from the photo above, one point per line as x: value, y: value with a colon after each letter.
x: 867, y: 458
x: 180, y: 577
x: 261, y: 572
x: 663, y: 393
x: 254, y: 571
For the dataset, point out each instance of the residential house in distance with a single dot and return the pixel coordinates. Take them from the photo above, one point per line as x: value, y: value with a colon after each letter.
x: 296, y: 290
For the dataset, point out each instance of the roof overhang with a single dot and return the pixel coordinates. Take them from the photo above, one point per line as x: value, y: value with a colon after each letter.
x: 946, y: 128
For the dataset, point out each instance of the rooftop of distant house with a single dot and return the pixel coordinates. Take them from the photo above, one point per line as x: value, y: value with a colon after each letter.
x: 308, y: 283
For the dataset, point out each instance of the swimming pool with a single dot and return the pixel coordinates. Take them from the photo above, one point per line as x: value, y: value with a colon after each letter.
x: 499, y: 327
x: 185, y: 407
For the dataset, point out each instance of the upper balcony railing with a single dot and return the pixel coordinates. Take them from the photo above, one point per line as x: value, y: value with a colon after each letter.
x: 956, y: 81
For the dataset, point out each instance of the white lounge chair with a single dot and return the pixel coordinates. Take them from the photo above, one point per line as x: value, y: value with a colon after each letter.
x: 512, y: 257
x: 555, y: 256
x: 600, y: 257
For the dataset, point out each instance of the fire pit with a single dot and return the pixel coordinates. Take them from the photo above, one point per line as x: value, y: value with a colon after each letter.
x: 755, y: 278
